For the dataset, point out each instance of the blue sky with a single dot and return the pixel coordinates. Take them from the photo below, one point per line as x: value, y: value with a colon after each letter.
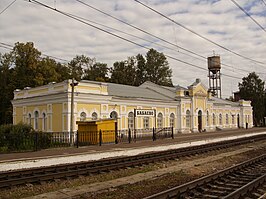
x: 220, y: 21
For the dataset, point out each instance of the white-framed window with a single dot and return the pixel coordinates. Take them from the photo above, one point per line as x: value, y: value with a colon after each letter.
x: 36, y: 120
x: 213, y: 119
x: 83, y: 116
x: 187, y: 118
x: 44, y: 122
x: 220, y: 119
x: 226, y: 119
x: 172, y: 120
x: 94, y: 116
x: 146, y: 122
x: 160, y: 120
x: 130, y: 120
x: 113, y: 115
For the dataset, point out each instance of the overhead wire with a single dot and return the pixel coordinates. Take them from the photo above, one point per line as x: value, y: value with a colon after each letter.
x: 201, y: 57
x: 248, y: 15
x: 126, y: 33
x: 199, y: 35
x: 129, y: 34
x: 120, y: 37
x: 10, y: 47
x: 7, y: 6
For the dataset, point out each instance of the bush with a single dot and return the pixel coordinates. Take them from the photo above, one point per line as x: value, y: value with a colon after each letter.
x: 16, y: 137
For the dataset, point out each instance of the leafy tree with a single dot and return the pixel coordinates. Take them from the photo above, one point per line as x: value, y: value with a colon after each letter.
x: 7, y: 85
x: 63, y: 71
x: 26, y: 59
x: 141, y: 72
x: 23, y: 67
x: 137, y: 70
x: 78, y: 65
x: 252, y: 88
x: 124, y: 72
x: 97, y: 72
x: 157, y: 68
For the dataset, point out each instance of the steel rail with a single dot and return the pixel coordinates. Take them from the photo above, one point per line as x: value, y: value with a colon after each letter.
x: 35, y: 175
x: 239, y: 193
x: 180, y: 191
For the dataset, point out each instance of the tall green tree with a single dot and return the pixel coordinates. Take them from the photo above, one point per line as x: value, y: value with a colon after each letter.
x: 78, y: 65
x: 124, y: 72
x: 7, y: 85
x: 157, y: 67
x: 26, y: 59
x: 97, y: 72
x: 24, y: 67
x: 252, y: 88
x: 153, y: 67
x: 141, y: 72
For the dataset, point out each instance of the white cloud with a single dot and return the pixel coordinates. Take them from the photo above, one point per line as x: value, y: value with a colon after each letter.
x: 220, y: 21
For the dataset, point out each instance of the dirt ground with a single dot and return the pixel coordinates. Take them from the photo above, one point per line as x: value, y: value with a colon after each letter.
x: 141, y: 181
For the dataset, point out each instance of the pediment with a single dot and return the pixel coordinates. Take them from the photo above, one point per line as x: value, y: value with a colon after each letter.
x: 200, y: 90
x: 201, y: 93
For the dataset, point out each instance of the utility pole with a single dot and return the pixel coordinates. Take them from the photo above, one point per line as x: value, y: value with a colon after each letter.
x: 73, y: 84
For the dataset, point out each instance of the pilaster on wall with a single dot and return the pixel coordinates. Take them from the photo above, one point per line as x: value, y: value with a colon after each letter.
x: 50, y: 117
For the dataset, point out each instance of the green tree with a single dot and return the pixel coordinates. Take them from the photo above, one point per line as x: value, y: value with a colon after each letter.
x: 97, y: 72
x: 137, y: 70
x: 49, y: 70
x: 141, y: 72
x: 24, y: 67
x: 157, y: 67
x: 7, y: 85
x: 252, y: 88
x: 78, y: 65
x: 26, y: 59
x: 124, y: 72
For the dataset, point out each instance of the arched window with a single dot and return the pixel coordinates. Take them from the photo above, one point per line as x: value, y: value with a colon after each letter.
x: 113, y: 115
x: 44, y: 121
x: 220, y: 119
x: 94, y: 116
x: 146, y: 124
x: 131, y: 120
x: 172, y: 120
x: 213, y: 119
x: 207, y: 118
x: 36, y: 120
x: 83, y: 116
x: 226, y: 119
x: 187, y: 118
x: 160, y: 120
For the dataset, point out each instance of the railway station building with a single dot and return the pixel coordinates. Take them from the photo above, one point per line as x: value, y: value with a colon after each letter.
x: 192, y: 109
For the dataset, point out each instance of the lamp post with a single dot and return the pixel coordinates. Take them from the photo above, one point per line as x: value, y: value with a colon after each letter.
x: 73, y: 84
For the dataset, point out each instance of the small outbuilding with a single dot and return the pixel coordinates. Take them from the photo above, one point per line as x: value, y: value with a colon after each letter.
x: 97, y: 131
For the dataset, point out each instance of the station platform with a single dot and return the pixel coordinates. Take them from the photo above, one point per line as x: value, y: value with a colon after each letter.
x: 48, y: 157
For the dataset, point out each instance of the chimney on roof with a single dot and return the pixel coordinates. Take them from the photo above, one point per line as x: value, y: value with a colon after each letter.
x: 198, y: 80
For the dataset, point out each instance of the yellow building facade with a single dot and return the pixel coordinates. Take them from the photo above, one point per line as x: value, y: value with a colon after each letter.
x: 192, y: 109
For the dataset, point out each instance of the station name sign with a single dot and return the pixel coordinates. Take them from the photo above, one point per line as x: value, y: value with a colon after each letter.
x: 145, y: 112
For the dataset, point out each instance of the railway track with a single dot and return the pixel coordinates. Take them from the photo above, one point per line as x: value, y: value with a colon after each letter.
x: 245, y: 180
x: 38, y: 175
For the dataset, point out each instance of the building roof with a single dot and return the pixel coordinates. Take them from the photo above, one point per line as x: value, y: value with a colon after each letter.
x: 219, y: 101
x: 136, y: 92
x: 169, y: 92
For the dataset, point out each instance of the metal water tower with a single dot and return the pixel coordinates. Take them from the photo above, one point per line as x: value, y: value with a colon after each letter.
x: 214, y: 66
